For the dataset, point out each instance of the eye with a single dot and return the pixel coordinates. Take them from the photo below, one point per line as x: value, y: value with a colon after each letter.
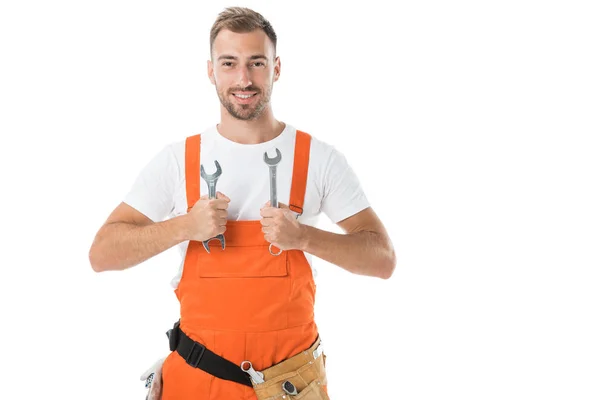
x: 227, y: 64
x: 259, y: 64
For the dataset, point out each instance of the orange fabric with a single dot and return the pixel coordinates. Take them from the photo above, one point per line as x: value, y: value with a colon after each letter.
x: 242, y: 302
x: 192, y: 170
x: 301, y: 156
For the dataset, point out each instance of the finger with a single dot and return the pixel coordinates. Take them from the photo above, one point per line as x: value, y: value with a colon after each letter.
x: 222, y: 196
x: 222, y: 214
x: 267, y: 212
x: 266, y: 221
x: 221, y: 204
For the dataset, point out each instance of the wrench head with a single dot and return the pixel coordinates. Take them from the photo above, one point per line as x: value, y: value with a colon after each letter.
x: 219, y: 237
x: 273, y: 161
x: 211, y: 177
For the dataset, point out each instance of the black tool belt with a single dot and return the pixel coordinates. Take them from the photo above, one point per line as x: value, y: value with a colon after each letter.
x: 198, y: 356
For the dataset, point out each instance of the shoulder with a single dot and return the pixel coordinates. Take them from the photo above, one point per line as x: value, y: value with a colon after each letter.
x: 320, y: 150
x: 325, y: 156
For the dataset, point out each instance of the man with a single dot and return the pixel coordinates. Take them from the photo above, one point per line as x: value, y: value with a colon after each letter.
x: 246, y: 329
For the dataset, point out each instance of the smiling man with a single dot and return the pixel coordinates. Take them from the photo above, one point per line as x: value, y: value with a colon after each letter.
x: 246, y: 327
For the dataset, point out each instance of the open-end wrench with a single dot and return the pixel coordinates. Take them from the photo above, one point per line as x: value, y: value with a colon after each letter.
x: 211, y: 181
x: 272, y: 163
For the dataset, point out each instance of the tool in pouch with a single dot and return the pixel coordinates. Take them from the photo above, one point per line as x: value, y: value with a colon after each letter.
x: 301, y: 375
x: 256, y: 376
x: 211, y: 181
x: 289, y: 388
x: 272, y: 163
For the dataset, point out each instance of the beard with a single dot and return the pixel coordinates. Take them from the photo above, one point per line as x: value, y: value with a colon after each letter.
x: 245, y: 112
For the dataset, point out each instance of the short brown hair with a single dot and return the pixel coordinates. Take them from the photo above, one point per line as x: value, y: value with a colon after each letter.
x: 241, y: 20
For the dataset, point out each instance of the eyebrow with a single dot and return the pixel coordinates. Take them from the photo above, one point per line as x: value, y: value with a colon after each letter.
x: 252, y: 57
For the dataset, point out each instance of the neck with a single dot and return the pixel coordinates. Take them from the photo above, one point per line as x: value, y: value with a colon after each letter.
x: 255, y: 131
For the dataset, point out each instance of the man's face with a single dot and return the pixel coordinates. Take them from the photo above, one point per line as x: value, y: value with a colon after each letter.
x: 243, y: 69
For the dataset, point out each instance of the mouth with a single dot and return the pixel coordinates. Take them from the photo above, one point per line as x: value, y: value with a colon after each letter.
x: 244, y: 97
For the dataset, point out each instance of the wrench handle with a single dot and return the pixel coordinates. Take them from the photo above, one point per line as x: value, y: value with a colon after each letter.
x: 212, y: 194
x: 212, y: 189
x: 273, y: 182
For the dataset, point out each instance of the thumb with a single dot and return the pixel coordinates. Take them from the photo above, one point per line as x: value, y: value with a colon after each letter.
x: 222, y: 196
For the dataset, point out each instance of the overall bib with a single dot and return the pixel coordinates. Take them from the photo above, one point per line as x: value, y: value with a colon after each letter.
x: 242, y: 303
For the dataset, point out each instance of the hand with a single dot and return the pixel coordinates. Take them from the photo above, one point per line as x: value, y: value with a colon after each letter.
x: 207, y: 218
x: 280, y: 226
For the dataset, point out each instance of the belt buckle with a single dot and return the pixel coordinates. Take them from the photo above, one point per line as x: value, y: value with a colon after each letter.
x: 194, y: 363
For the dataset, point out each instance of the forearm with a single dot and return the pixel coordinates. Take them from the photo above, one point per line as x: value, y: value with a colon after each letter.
x: 364, y: 252
x: 121, y: 245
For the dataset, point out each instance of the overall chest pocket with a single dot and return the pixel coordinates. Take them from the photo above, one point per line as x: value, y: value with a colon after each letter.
x: 241, y: 262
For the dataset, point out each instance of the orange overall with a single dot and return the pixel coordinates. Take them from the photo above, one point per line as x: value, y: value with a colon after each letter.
x: 242, y: 303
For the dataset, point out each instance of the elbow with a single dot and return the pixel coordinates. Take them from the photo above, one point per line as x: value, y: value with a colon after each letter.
x: 95, y: 262
x: 389, y: 266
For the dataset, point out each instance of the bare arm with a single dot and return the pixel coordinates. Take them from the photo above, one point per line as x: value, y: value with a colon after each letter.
x: 129, y: 238
x: 365, y: 249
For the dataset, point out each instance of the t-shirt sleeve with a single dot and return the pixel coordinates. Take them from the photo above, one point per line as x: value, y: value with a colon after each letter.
x: 153, y: 191
x: 343, y: 195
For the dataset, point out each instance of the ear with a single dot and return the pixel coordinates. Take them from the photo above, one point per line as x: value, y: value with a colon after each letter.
x: 277, y: 69
x: 211, y: 72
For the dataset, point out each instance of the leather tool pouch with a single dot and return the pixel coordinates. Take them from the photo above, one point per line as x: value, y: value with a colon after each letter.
x: 303, y: 371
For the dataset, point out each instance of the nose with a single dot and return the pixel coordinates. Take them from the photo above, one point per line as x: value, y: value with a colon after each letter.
x: 244, y: 77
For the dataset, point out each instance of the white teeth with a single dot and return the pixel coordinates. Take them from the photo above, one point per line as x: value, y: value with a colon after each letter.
x: 243, y: 96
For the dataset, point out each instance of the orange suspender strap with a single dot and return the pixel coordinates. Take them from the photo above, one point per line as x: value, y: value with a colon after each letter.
x: 300, y: 174
x: 192, y: 170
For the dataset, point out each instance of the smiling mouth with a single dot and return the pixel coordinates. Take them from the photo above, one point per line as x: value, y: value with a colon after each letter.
x: 244, y: 95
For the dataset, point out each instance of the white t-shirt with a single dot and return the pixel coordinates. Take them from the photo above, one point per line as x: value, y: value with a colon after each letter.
x: 159, y: 191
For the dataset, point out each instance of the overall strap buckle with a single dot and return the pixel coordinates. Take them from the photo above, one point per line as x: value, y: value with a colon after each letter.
x: 194, y: 358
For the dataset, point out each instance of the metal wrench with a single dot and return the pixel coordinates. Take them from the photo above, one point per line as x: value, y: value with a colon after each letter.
x: 211, y: 181
x: 272, y: 163
x: 256, y: 376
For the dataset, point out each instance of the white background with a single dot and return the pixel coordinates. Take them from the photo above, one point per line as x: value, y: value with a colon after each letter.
x: 472, y: 125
